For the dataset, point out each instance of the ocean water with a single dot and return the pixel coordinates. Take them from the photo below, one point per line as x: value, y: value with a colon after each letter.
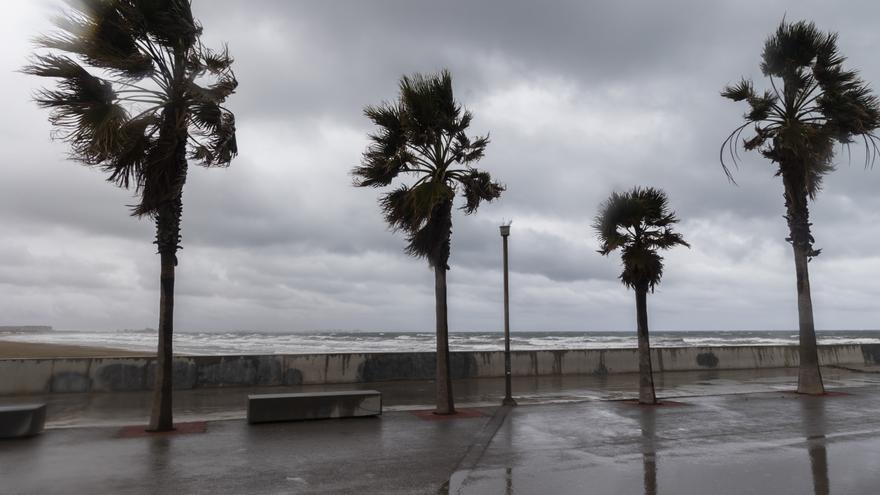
x: 212, y: 343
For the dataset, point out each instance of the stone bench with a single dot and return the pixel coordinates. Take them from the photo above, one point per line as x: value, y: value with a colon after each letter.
x: 265, y: 408
x: 24, y: 420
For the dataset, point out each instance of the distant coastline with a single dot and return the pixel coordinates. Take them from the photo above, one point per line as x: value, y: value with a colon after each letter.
x: 25, y: 328
x: 18, y: 350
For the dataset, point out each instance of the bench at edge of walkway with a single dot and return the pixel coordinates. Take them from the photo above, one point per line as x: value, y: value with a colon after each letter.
x: 266, y: 408
x: 24, y: 420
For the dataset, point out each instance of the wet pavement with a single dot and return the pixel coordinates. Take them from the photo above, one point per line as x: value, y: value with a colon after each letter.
x: 126, y: 408
x: 770, y: 443
x: 397, y: 453
x: 722, y: 433
x: 757, y: 443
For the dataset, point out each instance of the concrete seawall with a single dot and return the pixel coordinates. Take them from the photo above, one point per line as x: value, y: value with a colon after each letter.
x: 60, y: 375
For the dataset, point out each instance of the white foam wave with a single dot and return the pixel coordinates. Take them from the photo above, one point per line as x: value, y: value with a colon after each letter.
x: 208, y: 343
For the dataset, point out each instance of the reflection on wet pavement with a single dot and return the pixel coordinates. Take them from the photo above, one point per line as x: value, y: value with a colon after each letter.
x: 813, y: 424
x: 764, y: 443
x: 770, y: 442
x: 126, y: 408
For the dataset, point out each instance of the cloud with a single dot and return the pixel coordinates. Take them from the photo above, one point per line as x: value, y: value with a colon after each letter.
x: 580, y: 99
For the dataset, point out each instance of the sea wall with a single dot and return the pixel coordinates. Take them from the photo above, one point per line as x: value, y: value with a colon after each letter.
x: 41, y: 376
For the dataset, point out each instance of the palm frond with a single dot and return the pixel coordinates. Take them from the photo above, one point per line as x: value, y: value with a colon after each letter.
x: 478, y: 186
x: 169, y: 22
x: 126, y: 166
x: 466, y: 151
x: 153, y: 67
x: 667, y: 239
x: 761, y: 107
x: 387, y: 155
x: 639, y: 223
x: 740, y: 91
x: 432, y: 240
x: 163, y: 175
x: 431, y: 110
x: 794, y: 45
x: 642, y: 268
x: 424, y: 133
x: 216, y: 92
x: 83, y: 108
x: 216, y: 144
x: 818, y: 104
x: 397, y: 209
x: 101, y: 36
x: 216, y: 62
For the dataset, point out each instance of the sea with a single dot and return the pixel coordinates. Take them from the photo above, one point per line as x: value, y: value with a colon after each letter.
x: 217, y: 343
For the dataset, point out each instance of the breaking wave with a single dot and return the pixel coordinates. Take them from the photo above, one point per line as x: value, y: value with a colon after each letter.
x: 212, y: 343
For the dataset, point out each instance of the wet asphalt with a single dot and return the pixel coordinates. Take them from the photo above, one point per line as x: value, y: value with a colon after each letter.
x: 727, y: 433
x: 767, y: 443
x: 128, y: 408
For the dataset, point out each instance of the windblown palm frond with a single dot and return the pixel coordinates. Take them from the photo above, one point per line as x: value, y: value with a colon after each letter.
x: 135, y: 87
x: 639, y: 223
x: 423, y: 134
x: 813, y: 104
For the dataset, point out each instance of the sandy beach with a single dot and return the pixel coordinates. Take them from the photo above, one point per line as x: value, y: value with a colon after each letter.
x: 31, y: 350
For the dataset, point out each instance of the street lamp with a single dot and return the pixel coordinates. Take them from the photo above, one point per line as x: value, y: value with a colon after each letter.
x: 508, y: 399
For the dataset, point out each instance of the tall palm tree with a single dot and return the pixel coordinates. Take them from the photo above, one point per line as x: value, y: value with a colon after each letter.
x: 639, y: 223
x: 423, y: 135
x: 812, y: 104
x: 138, y: 96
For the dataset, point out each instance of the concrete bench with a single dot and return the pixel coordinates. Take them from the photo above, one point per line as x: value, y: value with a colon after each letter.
x: 267, y: 408
x: 24, y: 420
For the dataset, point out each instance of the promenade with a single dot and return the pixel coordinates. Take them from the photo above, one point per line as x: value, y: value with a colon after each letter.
x: 719, y: 432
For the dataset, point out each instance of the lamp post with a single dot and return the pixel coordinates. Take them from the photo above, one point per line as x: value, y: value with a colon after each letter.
x: 508, y: 398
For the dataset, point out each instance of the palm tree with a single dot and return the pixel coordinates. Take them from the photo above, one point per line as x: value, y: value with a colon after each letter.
x: 640, y: 223
x: 422, y: 135
x: 138, y: 96
x: 812, y: 104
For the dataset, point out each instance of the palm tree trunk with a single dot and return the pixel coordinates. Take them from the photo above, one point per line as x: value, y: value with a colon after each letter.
x: 646, y: 379
x: 168, y: 192
x: 809, y: 375
x: 445, y: 404
x: 168, y: 242
x: 798, y: 218
x: 161, y: 418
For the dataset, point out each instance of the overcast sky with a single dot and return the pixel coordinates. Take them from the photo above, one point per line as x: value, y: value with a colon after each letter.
x: 581, y: 99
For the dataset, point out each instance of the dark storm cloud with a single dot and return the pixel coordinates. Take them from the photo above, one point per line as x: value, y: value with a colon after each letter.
x: 581, y: 98
x: 357, y: 48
